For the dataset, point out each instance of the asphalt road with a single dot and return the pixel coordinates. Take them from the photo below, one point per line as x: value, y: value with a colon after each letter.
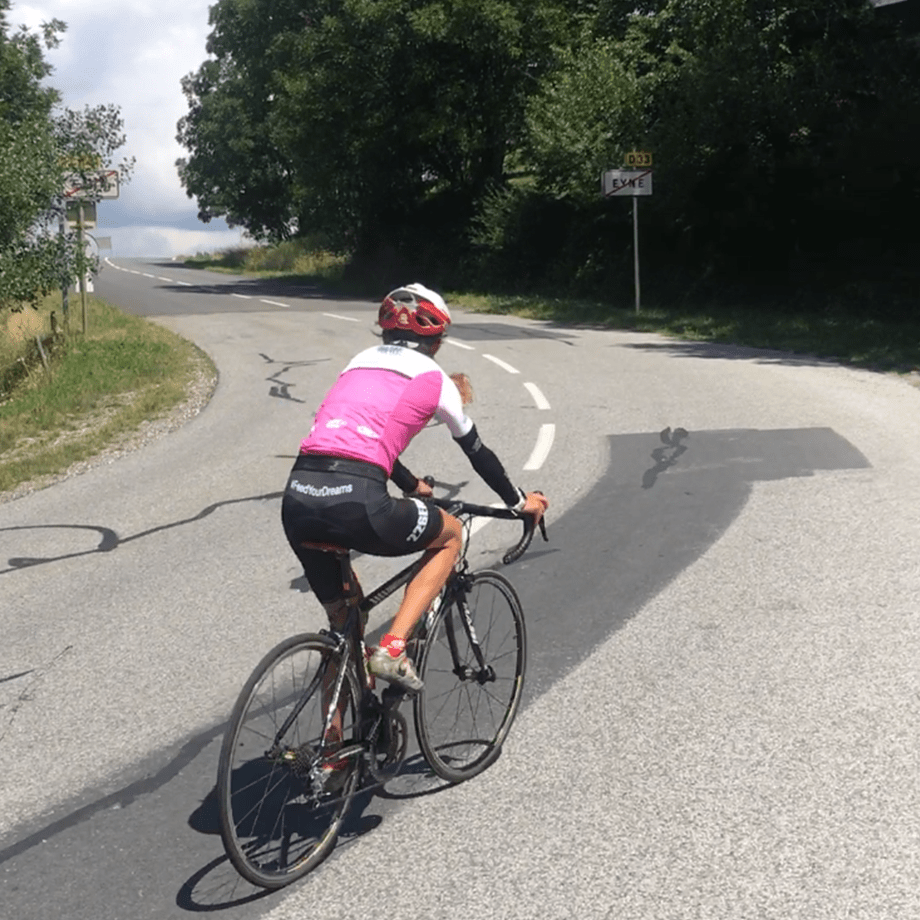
x: 722, y: 715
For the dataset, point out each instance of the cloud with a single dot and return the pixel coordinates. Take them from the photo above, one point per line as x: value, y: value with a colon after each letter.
x: 167, y: 241
x: 134, y: 54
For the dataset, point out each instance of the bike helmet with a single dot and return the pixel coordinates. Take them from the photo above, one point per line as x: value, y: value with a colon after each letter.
x: 414, y: 308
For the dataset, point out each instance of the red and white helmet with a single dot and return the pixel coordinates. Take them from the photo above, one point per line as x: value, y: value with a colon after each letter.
x: 414, y: 308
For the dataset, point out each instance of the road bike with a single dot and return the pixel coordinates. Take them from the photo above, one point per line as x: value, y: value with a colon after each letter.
x: 309, y: 730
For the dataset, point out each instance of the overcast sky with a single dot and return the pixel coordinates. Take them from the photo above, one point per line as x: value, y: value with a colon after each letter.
x: 133, y: 54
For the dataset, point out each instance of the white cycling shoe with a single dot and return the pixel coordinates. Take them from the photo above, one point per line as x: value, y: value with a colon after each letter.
x: 400, y: 670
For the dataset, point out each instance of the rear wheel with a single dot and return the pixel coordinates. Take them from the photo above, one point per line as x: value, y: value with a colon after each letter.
x: 473, y: 670
x: 283, y: 784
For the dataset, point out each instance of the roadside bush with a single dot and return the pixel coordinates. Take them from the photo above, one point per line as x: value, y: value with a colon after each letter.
x: 527, y: 239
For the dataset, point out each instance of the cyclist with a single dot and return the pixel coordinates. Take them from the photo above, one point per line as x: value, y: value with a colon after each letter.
x: 337, y: 490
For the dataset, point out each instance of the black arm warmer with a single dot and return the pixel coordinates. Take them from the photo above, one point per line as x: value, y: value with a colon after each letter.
x: 404, y: 480
x: 489, y: 467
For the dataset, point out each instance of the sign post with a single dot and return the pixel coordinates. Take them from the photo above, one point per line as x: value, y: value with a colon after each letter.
x: 82, y: 243
x: 85, y: 189
x: 631, y: 183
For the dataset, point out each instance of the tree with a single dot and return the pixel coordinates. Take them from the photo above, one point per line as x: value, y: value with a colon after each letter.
x: 39, y: 145
x: 758, y: 112
x: 29, y: 171
x: 235, y: 169
x: 346, y: 116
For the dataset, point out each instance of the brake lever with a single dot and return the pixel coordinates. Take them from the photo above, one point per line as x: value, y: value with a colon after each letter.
x: 543, y: 523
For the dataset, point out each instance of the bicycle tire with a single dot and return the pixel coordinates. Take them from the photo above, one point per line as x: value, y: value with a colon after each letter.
x: 275, y: 824
x: 462, y: 719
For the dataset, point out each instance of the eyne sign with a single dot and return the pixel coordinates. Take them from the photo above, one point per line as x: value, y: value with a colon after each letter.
x: 626, y: 182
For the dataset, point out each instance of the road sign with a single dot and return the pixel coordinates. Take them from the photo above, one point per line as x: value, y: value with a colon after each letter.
x: 102, y: 183
x: 638, y: 158
x: 626, y: 182
x: 630, y: 183
x: 80, y: 211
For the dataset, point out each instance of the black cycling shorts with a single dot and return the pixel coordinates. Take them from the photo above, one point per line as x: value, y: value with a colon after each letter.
x: 346, y: 502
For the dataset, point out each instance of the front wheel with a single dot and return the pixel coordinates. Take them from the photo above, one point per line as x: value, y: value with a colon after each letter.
x: 472, y: 665
x: 281, y: 805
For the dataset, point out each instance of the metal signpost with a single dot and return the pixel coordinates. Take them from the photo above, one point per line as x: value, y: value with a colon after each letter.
x: 81, y: 192
x: 631, y: 183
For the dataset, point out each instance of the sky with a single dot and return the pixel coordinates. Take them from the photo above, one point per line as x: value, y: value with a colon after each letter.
x: 133, y: 54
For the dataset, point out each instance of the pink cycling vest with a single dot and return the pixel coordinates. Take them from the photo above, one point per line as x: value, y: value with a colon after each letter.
x: 381, y: 401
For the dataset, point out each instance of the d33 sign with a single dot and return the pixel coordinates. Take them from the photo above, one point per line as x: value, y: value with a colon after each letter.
x: 638, y: 158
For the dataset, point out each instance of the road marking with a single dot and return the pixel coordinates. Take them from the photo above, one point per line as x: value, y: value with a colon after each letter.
x: 459, y: 345
x: 481, y: 522
x: 541, y: 401
x: 275, y: 303
x: 348, y: 319
x: 502, y: 364
x: 242, y: 296
x: 542, y: 447
x: 161, y: 278
x: 185, y: 283
x: 148, y: 276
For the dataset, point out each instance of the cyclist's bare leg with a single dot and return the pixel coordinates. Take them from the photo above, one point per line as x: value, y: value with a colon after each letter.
x: 436, y: 565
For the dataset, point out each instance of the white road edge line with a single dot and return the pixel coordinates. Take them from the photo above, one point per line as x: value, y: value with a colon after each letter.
x: 348, y: 319
x: 542, y: 448
x: 275, y: 303
x: 501, y: 364
x: 538, y: 397
x: 462, y: 345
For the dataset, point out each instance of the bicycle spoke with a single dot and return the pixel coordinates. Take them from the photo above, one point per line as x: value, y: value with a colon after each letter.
x: 465, y: 711
x: 275, y: 823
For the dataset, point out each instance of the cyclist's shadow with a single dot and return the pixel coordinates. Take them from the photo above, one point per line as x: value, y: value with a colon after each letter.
x: 217, y: 886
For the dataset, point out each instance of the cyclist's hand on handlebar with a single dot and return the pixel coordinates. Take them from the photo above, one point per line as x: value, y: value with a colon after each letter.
x: 536, y: 504
x: 422, y: 490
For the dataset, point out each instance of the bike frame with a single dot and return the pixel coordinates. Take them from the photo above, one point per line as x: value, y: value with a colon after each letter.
x: 350, y: 641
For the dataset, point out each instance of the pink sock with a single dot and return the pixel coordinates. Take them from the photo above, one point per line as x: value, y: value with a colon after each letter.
x: 393, y: 644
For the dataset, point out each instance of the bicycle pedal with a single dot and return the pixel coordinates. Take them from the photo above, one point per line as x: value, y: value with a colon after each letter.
x: 392, y: 696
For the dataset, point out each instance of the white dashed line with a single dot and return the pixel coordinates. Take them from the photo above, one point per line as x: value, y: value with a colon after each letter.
x: 348, y: 319
x: 459, y: 345
x: 185, y: 283
x: 541, y: 401
x: 275, y: 303
x: 161, y: 278
x: 542, y: 447
x: 242, y: 296
x: 148, y: 276
x: 502, y: 364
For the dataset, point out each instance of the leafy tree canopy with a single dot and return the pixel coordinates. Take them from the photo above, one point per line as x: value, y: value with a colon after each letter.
x: 342, y: 115
x: 39, y: 145
x: 761, y: 114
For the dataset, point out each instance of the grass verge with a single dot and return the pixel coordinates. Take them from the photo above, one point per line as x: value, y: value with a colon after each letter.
x: 871, y: 342
x: 100, y: 389
x: 296, y: 261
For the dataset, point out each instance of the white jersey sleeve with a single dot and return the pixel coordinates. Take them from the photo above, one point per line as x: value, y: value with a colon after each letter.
x: 450, y: 409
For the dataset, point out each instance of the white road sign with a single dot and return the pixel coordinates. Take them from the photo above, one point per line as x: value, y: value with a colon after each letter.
x: 626, y: 182
x: 100, y: 184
